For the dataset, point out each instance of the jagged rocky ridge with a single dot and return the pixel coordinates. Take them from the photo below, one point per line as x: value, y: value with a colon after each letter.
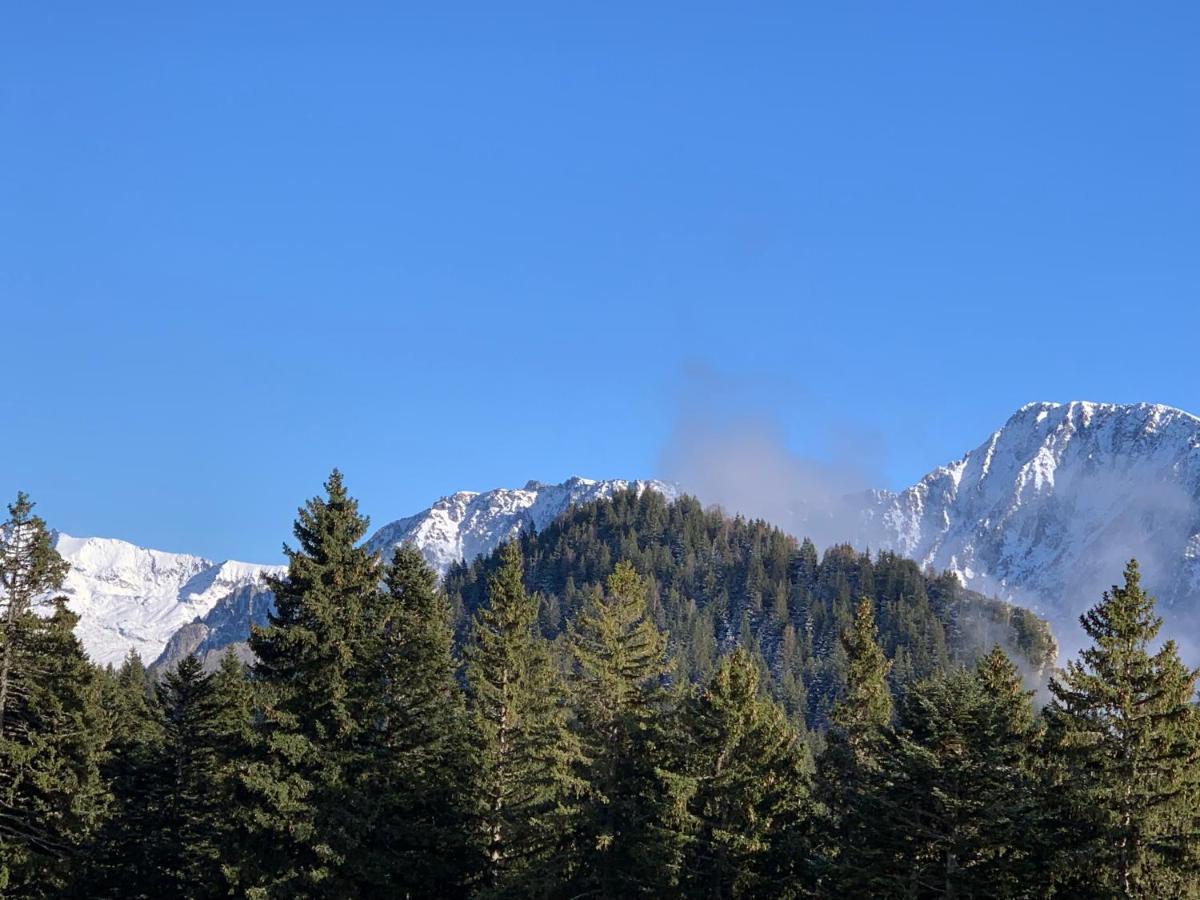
x: 470, y: 524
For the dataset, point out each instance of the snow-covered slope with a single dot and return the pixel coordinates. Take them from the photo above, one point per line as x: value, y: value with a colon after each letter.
x: 131, y: 598
x: 1047, y: 510
x: 467, y: 524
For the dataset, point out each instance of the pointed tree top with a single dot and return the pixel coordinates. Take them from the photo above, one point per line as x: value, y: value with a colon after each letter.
x: 21, y: 508
x: 335, y: 484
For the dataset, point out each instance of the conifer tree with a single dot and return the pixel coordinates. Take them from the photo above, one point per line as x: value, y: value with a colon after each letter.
x: 52, y: 729
x: 29, y: 567
x: 1123, y: 726
x: 310, y: 812
x: 192, y: 815
x: 750, y: 806
x: 866, y: 703
x: 851, y: 753
x: 52, y: 796
x: 233, y: 699
x: 233, y: 739
x: 525, y: 752
x: 420, y: 770
x: 630, y: 830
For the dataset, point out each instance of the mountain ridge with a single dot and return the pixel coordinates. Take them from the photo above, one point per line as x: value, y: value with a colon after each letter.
x: 1046, y: 510
x: 1043, y: 513
x: 135, y: 598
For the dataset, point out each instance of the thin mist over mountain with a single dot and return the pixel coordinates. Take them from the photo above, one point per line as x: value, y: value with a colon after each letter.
x: 1051, y: 506
x: 1045, y: 512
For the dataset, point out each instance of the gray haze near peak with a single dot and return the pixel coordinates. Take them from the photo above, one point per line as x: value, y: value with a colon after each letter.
x: 728, y: 447
x: 744, y: 466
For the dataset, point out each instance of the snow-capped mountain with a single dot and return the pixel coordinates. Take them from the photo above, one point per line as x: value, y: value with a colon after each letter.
x: 1049, y: 508
x: 467, y: 524
x: 1044, y: 513
x: 131, y: 598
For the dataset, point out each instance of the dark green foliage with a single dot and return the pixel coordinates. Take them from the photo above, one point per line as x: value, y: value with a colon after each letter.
x: 420, y: 766
x: 203, y: 736
x: 853, y: 747
x: 750, y: 805
x: 311, y: 809
x: 52, y: 796
x: 232, y: 736
x: 866, y: 702
x: 950, y: 808
x: 525, y: 785
x: 716, y: 582
x: 132, y: 774
x: 630, y: 722
x: 1123, y: 728
x: 52, y: 730
x: 629, y: 833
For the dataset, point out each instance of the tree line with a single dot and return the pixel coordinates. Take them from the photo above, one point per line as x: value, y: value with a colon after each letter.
x: 374, y: 747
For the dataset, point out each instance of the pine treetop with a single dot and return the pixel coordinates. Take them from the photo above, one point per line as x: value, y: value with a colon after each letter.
x: 867, y: 701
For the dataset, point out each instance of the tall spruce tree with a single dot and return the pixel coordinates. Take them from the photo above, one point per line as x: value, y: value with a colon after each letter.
x: 851, y: 754
x: 53, y: 798
x: 866, y: 703
x: 421, y: 766
x: 29, y: 567
x: 188, y: 771
x: 525, y: 753
x: 631, y: 829
x: 311, y: 811
x: 1123, y: 725
x: 750, y: 805
x: 52, y: 729
x: 233, y: 739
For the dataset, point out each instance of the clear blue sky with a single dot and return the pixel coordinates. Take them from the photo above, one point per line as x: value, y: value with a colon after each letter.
x: 465, y: 246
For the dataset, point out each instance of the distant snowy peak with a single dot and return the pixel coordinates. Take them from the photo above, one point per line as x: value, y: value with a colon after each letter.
x: 1046, y: 510
x: 467, y: 524
x: 132, y: 598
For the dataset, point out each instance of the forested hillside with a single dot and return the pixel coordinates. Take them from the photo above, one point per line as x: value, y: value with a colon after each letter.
x: 718, y: 582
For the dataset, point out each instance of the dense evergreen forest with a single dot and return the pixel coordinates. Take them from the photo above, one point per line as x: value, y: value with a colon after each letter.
x: 614, y: 708
x: 714, y: 583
